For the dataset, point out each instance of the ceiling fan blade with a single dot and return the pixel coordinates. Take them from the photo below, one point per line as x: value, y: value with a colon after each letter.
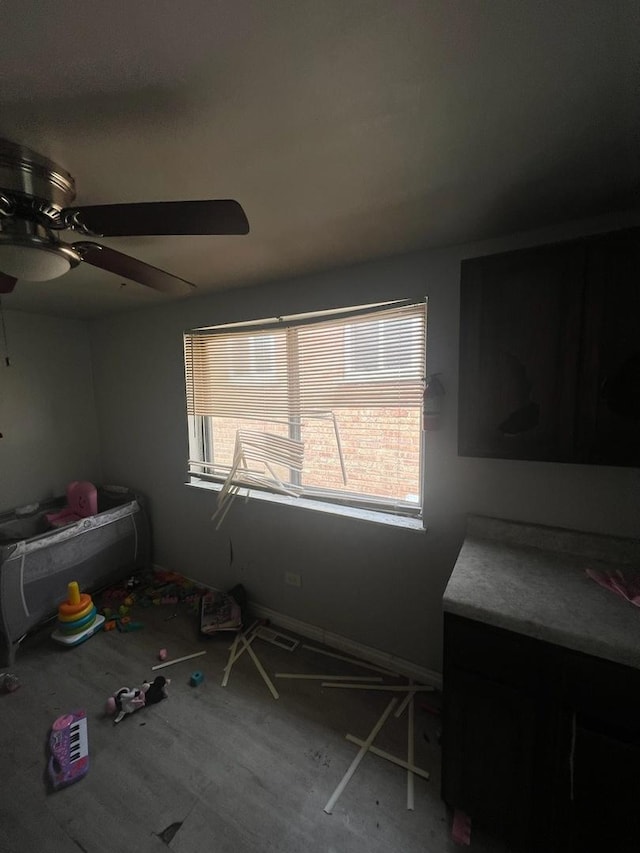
x: 131, y: 268
x: 7, y: 283
x: 143, y: 219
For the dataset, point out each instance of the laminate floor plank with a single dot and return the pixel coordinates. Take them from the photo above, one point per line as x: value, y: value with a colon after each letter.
x: 226, y: 770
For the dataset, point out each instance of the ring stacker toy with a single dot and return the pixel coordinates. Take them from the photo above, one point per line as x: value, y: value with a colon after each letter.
x: 78, y: 618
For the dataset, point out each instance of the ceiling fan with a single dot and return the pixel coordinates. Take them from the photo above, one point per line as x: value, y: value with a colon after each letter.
x: 35, y: 199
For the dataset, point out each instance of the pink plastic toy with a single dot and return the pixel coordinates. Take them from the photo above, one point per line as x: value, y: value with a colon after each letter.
x: 82, y: 498
x: 162, y: 654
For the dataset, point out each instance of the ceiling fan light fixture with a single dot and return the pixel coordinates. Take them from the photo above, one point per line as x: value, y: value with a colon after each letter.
x: 32, y: 264
x: 35, y: 259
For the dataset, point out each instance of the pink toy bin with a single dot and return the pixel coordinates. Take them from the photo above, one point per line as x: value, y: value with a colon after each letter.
x: 82, y: 499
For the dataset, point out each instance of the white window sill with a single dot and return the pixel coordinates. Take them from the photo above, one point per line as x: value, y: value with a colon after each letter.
x: 386, y: 518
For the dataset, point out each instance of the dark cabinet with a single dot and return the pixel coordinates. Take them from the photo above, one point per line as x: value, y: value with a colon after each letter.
x: 541, y: 745
x: 493, y: 744
x: 550, y: 352
x: 604, y: 808
x: 601, y: 710
x: 608, y: 406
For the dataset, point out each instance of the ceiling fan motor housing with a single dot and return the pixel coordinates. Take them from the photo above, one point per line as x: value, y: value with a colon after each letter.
x: 32, y: 180
x: 33, y: 191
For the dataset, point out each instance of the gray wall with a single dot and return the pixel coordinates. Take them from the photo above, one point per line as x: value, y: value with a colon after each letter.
x: 47, y: 409
x: 374, y: 584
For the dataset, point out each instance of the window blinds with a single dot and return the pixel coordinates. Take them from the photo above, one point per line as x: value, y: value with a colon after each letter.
x: 375, y: 359
x: 348, y: 385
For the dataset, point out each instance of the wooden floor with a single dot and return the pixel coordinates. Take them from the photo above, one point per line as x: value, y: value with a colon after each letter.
x: 226, y: 770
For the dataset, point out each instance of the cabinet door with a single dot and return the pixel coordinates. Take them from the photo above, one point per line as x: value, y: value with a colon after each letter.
x: 602, y: 752
x: 609, y: 400
x: 520, y: 320
x: 604, y: 811
x: 502, y: 731
x: 488, y: 754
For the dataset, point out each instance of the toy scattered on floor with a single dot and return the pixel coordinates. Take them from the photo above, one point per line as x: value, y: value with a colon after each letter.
x: 162, y: 654
x: 82, y: 499
x: 125, y: 701
x: 197, y: 678
x: 157, y: 690
x: 127, y: 624
x: 69, y: 748
x: 128, y: 700
x: 78, y: 618
x: 8, y: 682
x: 156, y: 588
x: 219, y: 611
x: 122, y: 623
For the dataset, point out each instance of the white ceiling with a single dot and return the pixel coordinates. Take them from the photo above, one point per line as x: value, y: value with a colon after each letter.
x: 348, y: 129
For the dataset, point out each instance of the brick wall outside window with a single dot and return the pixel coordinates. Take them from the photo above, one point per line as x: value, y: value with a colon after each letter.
x: 381, y: 450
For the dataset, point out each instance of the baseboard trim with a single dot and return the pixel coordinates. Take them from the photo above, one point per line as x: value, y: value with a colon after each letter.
x: 349, y: 647
x: 341, y: 644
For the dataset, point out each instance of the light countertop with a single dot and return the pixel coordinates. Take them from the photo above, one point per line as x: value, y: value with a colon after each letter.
x: 531, y: 580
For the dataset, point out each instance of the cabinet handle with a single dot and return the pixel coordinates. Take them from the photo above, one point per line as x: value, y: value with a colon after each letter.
x: 572, y: 755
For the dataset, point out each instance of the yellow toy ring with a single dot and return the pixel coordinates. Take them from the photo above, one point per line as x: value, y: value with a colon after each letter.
x: 67, y: 612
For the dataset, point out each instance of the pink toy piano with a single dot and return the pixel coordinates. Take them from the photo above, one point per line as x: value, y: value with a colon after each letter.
x: 82, y: 499
x: 69, y: 747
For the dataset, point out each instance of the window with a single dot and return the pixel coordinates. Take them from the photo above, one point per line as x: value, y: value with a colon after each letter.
x: 370, y: 347
x: 253, y: 358
x: 326, y: 406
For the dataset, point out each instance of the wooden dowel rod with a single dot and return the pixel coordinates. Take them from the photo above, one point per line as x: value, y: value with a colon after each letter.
x: 235, y: 653
x: 354, y: 661
x: 260, y: 668
x: 401, y: 707
x: 387, y: 755
x: 230, y: 661
x: 254, y: 625
x: 240, y: 651
x: 301, y: 675
x: 333, y: 799
x: 410, y: 803
x: 177, y: 660
x: 399, y: 688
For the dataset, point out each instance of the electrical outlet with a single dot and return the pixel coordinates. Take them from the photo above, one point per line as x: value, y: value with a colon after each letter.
x: 292, y: 579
